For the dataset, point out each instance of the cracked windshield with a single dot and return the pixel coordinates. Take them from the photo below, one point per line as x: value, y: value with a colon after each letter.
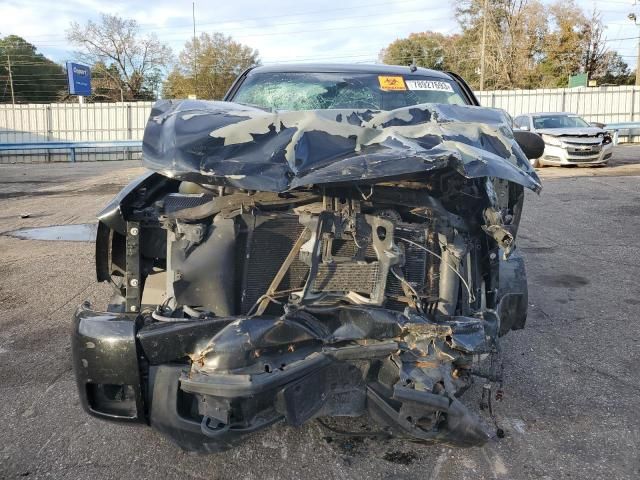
x: 311, y: 91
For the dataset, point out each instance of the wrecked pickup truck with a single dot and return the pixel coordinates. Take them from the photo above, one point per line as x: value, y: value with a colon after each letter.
x: 327, y: 241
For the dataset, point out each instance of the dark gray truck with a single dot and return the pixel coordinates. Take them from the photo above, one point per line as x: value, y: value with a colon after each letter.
x: 329, y: 240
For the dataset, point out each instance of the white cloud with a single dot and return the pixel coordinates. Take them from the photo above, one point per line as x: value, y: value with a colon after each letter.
x: 289, y: 30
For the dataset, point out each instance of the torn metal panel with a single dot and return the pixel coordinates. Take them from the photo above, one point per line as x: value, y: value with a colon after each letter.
x: 224, y: 143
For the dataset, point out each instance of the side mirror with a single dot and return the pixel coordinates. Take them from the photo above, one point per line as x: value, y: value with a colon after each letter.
x: 531, y: 144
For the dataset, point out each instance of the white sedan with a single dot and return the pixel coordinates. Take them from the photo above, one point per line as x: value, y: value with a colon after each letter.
x: 569, y: 140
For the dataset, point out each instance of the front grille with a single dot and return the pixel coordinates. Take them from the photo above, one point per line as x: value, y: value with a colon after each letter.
x: 593, y: 142
x: 591, y: 158
x: 584, y: 154
x: 174, y: 202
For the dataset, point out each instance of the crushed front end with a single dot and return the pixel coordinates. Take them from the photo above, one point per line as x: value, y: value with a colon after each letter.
x: 237, y: 307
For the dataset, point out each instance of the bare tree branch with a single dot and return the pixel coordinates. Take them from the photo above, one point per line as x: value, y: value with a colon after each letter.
x: 115, y: 41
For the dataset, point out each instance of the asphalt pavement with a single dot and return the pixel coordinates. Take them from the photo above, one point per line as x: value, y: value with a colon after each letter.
x: 572, y: 389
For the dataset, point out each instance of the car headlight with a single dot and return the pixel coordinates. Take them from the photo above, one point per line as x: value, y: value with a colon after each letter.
x: 554, y: 141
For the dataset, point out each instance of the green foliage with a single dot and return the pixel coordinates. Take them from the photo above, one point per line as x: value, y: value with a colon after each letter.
x: 36, y: 79
x: 207, y: 67
x: 426, y: 49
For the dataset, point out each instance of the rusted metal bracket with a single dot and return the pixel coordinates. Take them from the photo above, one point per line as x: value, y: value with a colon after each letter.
x: 132, y: 275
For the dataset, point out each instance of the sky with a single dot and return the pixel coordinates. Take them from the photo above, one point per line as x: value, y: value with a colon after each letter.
x: 346, y: 31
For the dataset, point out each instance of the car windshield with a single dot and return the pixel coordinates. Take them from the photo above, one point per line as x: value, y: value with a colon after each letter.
x: 313, y: 91
x: 559, y: 121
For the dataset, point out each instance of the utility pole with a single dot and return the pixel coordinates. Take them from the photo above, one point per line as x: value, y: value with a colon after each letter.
x: 13, y: 98
x: 195, y: 52
x: 634, y: 19
x: 638, y: 62
x: 484, y: 43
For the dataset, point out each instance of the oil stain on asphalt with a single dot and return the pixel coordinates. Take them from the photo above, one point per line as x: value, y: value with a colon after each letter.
x: 83, y: 232
x: 564, y: 280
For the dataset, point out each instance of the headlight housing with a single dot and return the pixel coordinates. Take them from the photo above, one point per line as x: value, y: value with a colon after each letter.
x: 554, y: 141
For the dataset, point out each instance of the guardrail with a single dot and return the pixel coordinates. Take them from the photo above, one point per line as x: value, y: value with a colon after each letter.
x: 625, y: 129
x: 71, y: 146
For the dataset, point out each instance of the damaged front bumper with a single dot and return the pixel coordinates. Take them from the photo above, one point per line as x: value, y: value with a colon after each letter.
x: 207, y: 383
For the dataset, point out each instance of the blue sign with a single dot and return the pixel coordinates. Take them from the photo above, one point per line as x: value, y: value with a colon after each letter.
x: 79, y: 77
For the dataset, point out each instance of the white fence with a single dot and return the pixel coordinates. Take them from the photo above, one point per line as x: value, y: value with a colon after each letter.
x: 599, y: 104
x: 126, y: 121
x: 36, y: 122
x: 24, y: 123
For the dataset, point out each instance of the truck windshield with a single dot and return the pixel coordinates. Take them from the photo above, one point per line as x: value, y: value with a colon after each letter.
x: 313, y: 91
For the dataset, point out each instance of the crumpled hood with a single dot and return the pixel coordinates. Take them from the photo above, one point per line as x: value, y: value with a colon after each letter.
x: 225, y: 143
x: 571, y: 132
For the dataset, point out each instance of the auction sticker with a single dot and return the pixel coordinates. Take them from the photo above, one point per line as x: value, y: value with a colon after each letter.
x: 391, y: 83
x: 429, y: 85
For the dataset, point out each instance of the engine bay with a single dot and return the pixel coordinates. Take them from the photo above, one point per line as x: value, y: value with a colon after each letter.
x: 381, y: 299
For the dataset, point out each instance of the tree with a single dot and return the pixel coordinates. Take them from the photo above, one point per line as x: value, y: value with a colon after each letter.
x: 528, y: 45
x: 426, y: 49
x: 616, y: 71
x: 603, y: 65
x: 131, y: 65
x: 207, y: 67
x: 565, y: 45
x: 514, y: 31
x: 34, y: 77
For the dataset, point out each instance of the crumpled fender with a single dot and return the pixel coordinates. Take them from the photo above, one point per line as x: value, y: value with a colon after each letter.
x: 112, y: 215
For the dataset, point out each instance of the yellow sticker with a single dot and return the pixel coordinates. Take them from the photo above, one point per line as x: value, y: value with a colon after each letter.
x: 391, y: 83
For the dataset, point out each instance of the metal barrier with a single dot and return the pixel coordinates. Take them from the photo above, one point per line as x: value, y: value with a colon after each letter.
x: 625, y: 129
x: 71, y: 146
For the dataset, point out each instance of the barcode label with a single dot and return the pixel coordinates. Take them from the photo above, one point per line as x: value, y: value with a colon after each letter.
x: 429, y: 85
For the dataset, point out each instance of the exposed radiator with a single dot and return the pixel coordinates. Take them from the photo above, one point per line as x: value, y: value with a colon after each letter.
x: 420, y: 268
x: 265, y: 247
x: 359, y: 278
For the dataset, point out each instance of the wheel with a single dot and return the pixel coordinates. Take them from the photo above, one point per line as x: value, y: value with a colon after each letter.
x: 536, y: 163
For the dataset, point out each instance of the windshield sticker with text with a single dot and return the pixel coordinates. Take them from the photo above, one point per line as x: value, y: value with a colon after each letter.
x: 429, y: 85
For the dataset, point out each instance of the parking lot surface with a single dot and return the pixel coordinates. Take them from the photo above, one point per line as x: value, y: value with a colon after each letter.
x: 572, y: 385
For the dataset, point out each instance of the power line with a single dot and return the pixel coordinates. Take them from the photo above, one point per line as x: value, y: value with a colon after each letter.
x: 249, y: 34
x: 618, y: 39
x: 13, y: 98
x: 148, y: 26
